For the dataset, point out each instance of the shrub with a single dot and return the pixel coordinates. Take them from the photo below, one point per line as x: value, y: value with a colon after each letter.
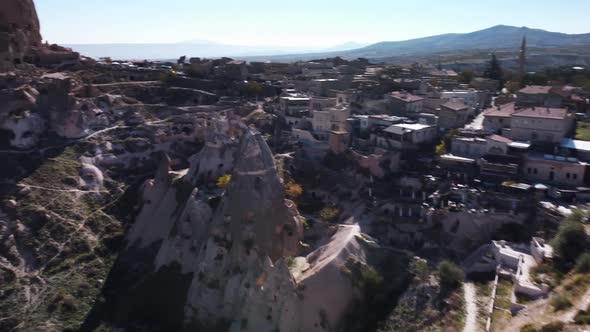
x: 290, y: 261
x: 224, y: 181
x: 529, y: 328
x: 583, y: 263
x: 571, y: 240
x: 560, y: 302
x: 552, y: 327
x: 329, y: 214
x: 168, y: 76
x: 450, y: 276
x: 582, y: 318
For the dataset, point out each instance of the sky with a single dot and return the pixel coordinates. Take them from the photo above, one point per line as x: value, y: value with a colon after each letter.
x: 297, y: 23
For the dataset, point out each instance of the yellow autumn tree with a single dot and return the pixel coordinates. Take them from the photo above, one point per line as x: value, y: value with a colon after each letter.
x: 293, y: 190
x: 441, y: 148
x: 224, y: 181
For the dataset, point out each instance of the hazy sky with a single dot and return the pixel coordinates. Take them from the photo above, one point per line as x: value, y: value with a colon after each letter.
x: 315, y: 23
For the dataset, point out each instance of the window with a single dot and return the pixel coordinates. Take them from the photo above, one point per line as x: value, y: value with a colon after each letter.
x: 535, y: 171
x: 575, y: 176
x: 529, y: 170
x: 567, y: 175
x: 551, y: 176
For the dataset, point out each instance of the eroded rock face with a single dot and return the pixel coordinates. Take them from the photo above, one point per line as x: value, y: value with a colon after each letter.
x: 25, y: 127
x: 238, y: 247
x: 19, y: 31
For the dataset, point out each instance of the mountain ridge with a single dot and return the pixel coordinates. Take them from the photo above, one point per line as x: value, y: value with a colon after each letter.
x: 496, y: 37
x: 493, y: 38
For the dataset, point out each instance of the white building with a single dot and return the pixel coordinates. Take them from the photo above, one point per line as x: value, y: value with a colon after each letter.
x: 405, y: 136
x: 471, y: 97
x: 330, y: 119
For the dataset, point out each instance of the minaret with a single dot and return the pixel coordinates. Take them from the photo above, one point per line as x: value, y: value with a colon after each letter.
x: 522, y: 58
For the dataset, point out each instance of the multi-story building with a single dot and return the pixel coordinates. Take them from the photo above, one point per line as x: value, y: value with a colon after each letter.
x: 472, y: 98
x: 332, y: 119
x: 540, y: 95
x: 453, y: 115
x: 320, y: 103
x: 498, y: 118
x: 540, y: 124
x: 294, y: 104
x: 404, y: 136
x: 552, y: 169
x: 404, y: 103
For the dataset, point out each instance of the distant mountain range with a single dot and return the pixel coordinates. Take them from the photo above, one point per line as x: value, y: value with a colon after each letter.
x: 499, y: 37
x: 194, y: 48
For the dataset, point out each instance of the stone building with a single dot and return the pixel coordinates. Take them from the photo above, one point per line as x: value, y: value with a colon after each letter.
x: 540, y: 124
x: 498, y: 118
x: 453, y: 115
x: 540, y: 95
x: 550, y: 169
x: 404, y: 103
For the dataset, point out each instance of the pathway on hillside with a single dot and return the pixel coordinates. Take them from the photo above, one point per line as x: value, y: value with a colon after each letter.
x: 470, y: 307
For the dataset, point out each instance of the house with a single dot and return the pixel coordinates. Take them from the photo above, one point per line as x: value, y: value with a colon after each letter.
x: 473, y: 147
x: 347, y: 97
x: 320, y: 103
x: 485, y: 84
x: 540, y: 95
x: 294, y: 104
x: 332, y: 119
x: 472, y: 98
x: 476, y: 147
x: 453, y: 115
x: 576, y: 148
x: 540, y: 124
x: 499, y: 167
x: 415, y: 86
x: 402, y: 103
x: 322, y: 86
x: 366, y: 122
x: 498, y: 145
x: 404, y: 136
x: 234, y: 70
x: 498, y: 118
x: 564, y: 171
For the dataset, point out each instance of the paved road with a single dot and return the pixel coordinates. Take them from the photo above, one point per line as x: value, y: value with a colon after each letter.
x: 470, y: 307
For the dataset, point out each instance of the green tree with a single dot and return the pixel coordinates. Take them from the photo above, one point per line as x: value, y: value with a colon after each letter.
x: 450, y: 276
x: 329, y: 214
x: 254, y: 89
x: 583, y: 263
x: 571, y: 240
x: 466, y: 76
x: 181, y: 60
x: 494, y: 70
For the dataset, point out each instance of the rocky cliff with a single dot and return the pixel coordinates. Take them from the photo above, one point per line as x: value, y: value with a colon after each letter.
x: 20, y: 38
x: 19, y: 31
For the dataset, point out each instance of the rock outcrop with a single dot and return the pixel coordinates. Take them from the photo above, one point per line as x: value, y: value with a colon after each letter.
x: 242, y: 246
x: 20, y: 38
x: 20, y: 33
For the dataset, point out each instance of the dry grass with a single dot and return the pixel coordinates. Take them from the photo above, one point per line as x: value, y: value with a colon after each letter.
x: 501, y: 316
